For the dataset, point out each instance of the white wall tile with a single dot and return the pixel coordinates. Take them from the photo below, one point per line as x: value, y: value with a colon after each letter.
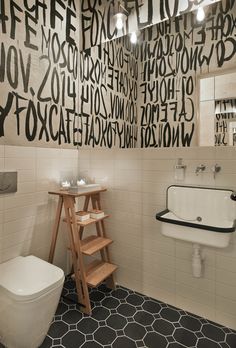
x: 225, y: 263
x: 19, y: 152
x: 18, y: 225
x: 126, y: 154
x: 130, y: 279
x: 1, y: 202
x: 185, y: 265
x: 19, y: 200
x: 162, y: 283
x: 1, y: 230
x: 225, y: 305
x: 2, y: 164
x: 153, y: 290
x: 230, y: 250
x: 1, y: 217
x: 226, y: 152
x: 47, y: 152
x: 148, y: 262
x: 225, y: 290
x: 160, y: 245
x: 225, y: 319
x: 26, y: 217
x: 2, y: 151
x: 16, y: 250
x: 26, y: 175
x: 196, y: 294
x: 207, y: 285
x: 19, y: 237
x: 26, y: 187
x: 195, y: 307
x: 153, y: 256
x: 15, y: 163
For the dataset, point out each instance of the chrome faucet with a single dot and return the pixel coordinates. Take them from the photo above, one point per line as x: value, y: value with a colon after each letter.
x: 200, y: 169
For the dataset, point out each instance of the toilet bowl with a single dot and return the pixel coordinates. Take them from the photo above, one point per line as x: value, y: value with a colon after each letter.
x: 30, y: 290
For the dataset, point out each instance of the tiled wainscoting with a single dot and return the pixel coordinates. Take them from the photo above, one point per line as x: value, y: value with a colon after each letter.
x: 148, y: 262
x: 26, y: 217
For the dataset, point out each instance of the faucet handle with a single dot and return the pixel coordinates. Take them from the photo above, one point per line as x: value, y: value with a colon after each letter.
x: 200, y: 168
x: 216, y: 169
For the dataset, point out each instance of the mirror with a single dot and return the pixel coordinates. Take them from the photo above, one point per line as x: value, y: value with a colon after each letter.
x: 217, y: 110
x: 147, y: 95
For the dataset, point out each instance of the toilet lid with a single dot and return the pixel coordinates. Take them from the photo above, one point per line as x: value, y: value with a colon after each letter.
x: 25, y: 278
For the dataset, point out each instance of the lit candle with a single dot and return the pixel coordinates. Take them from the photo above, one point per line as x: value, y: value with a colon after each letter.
x: 65, y: 185
x: 81, y: 182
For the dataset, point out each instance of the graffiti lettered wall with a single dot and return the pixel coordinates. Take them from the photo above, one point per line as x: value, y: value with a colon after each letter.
x: 146, y: 95
x: 98, y: 25
x: 39, y: 72
x: 114, y: 94
x: 109, y: 76
x: 173, y: 54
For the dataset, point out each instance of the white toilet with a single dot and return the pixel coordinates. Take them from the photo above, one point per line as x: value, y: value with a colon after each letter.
x: 30, y: 290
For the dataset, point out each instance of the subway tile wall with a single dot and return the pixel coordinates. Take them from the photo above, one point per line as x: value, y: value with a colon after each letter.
x: 26, y: 217
x: 148, y: 262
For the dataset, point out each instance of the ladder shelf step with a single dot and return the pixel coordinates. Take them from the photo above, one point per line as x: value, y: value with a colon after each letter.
x: 97, y: 271
x: 88, y: 221
x: 92, y: 244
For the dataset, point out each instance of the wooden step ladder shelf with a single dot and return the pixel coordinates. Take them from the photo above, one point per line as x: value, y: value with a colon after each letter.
x: 93, y: 244
x: 96, y: 271
x: 89, y: 221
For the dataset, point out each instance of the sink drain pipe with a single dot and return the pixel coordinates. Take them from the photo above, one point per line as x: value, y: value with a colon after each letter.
x: 197, y: 261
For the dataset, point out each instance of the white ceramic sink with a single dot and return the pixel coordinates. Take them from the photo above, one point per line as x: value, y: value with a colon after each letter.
x: 199, y: 215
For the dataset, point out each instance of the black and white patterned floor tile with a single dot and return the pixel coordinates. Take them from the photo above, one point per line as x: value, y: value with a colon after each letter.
x: 122, y: 318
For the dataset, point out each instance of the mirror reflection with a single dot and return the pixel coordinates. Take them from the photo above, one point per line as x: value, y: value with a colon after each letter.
x: 217, y: 110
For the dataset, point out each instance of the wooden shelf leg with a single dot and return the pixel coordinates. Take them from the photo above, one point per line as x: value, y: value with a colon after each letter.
x: 86, y: 203
x: 55, y: 229
x: 85, y: 208
x: 79, y: 269
x: 105, y: 255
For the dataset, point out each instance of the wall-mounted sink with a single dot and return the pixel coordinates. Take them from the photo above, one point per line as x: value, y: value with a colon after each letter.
x: 199, y: 215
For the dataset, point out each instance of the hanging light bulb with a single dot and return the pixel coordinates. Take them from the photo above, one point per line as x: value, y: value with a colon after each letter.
x: 120, y: 19
x: 133, y: 37
x: 120, y: 15
x: 200, y: 14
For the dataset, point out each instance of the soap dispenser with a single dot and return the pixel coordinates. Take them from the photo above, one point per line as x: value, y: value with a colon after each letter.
x: 180, y: 170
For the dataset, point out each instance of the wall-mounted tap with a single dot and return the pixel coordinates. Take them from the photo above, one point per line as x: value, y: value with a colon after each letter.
x: 200, y: 169
x: 216, y: 169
